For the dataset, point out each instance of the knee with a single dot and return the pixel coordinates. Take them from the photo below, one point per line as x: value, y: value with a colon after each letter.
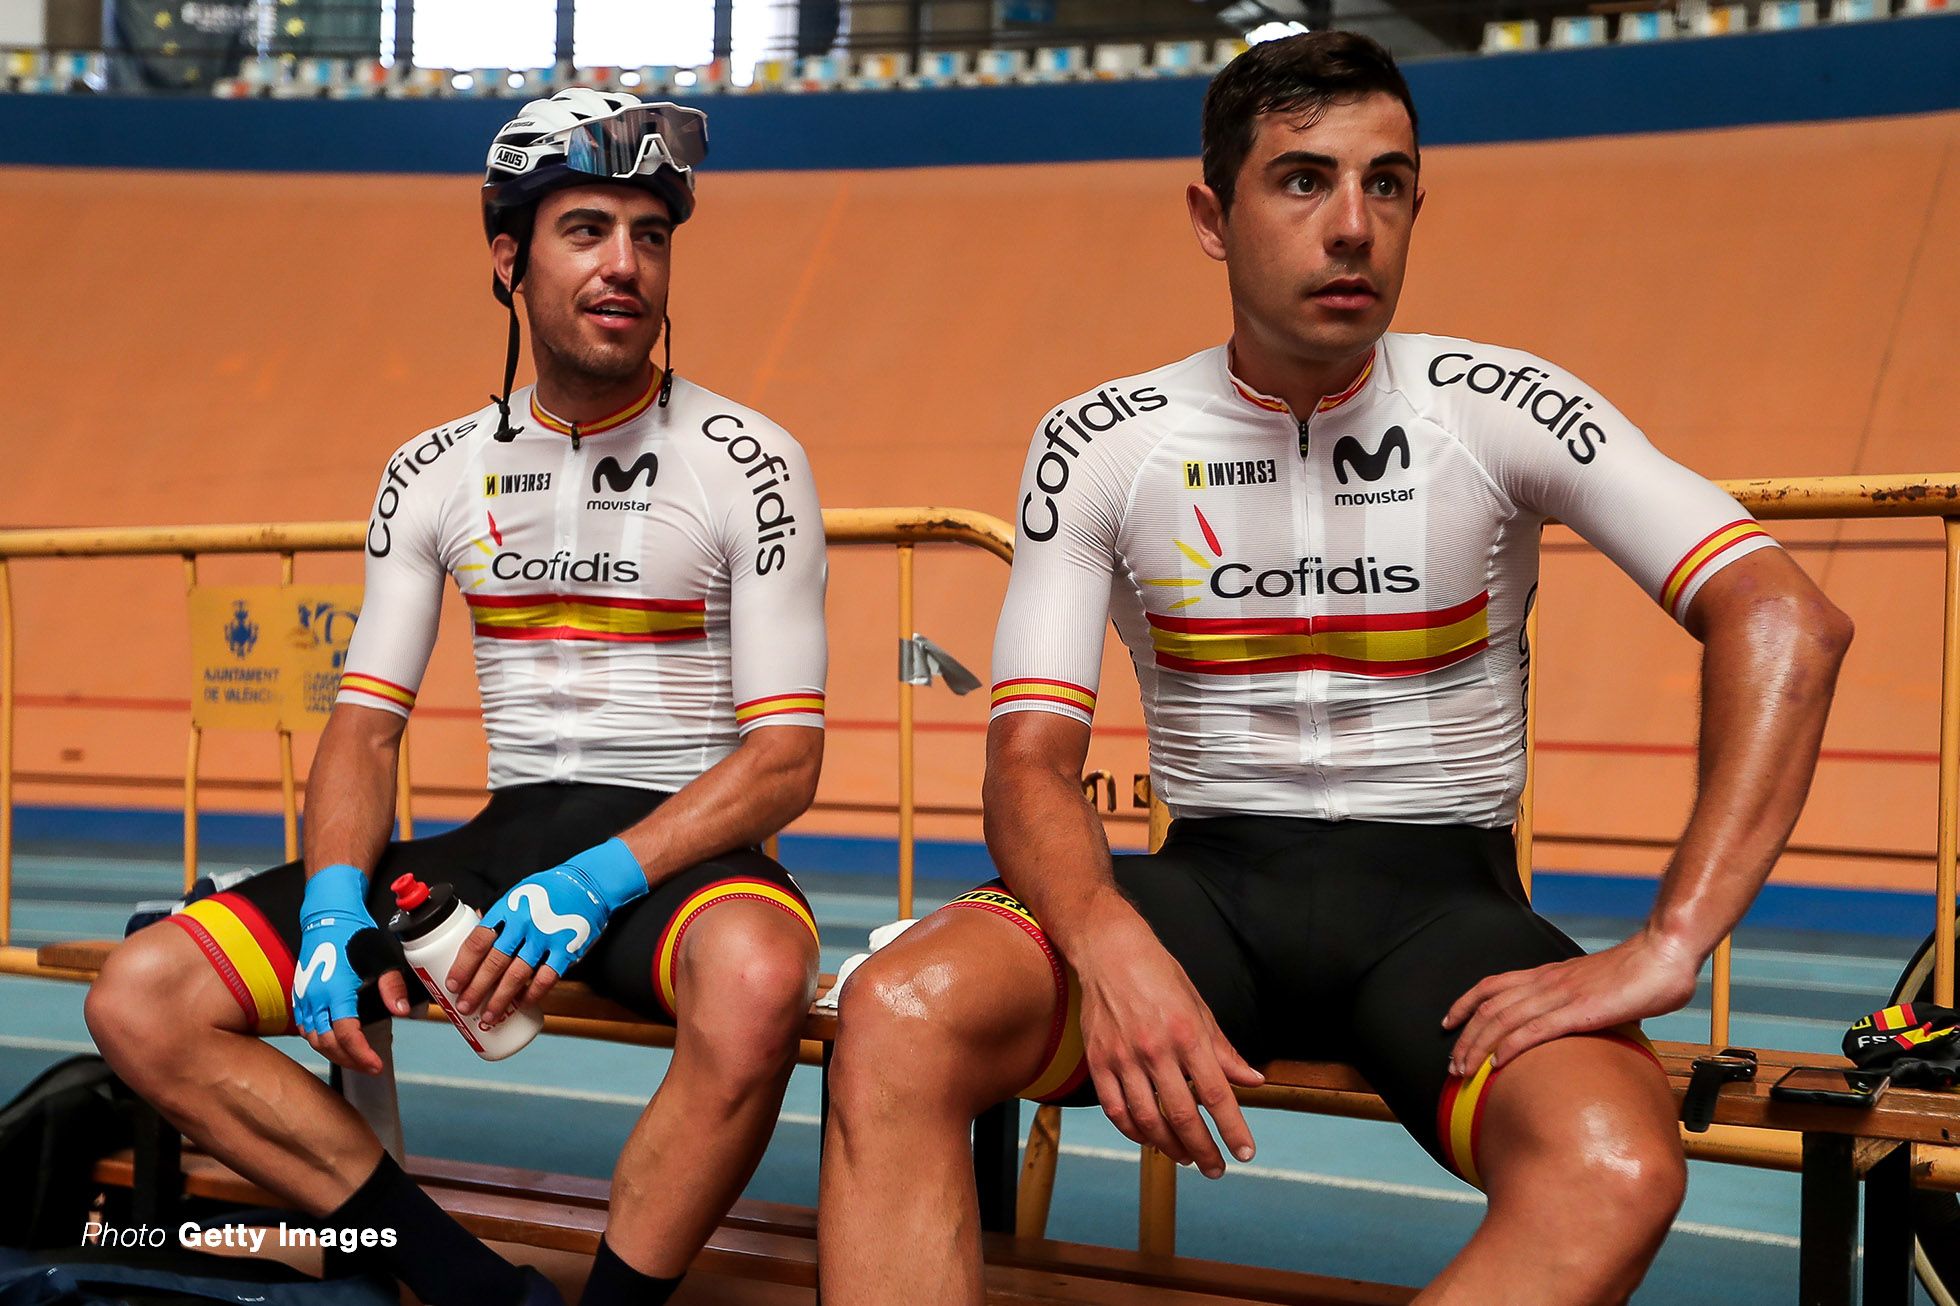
x: 142, y: 994
x: 756, y: 980
x: 900, y: 1042
x: 1631, y: 1174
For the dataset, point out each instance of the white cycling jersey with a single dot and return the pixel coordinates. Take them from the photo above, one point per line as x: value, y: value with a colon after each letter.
x: 1327, y: 617
x: 644, y: 588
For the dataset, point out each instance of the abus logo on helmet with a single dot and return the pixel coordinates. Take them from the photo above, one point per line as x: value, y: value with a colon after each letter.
x: 405, y: 464
x: 514, y: 160
x: 773, y: 519
x: 1558, y: 413
x: 1051, y: 471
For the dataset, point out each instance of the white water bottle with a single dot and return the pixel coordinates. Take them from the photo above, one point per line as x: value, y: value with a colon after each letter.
x: 432, y: 922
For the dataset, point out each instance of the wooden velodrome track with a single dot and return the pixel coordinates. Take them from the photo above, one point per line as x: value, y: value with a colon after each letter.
x: 200, y: 347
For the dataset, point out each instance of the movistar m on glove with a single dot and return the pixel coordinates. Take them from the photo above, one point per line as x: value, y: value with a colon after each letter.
x: 553, y: 917
x: 326, y: 982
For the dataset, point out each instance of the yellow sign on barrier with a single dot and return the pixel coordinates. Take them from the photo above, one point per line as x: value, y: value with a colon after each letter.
x: 267, y: 657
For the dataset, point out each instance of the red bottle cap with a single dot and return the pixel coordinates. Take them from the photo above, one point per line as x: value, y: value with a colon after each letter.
x: 410, y: 892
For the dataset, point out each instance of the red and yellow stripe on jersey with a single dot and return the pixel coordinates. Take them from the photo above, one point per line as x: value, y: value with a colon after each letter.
x: 585, y: 616
x: 1363, y: 644
x: 1064, y: 1068
x: 1460, y: 1111
x: 759, y: 711
x: 1273, y: 405
x: 248, y: 955
x: 1696, y: 561
x: 1077, y: 700
x: 393, y: 697
x: 603, y: 424
x: 666, y: 957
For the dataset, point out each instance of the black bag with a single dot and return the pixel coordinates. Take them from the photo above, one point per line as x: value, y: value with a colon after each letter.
x: 51, y: 1135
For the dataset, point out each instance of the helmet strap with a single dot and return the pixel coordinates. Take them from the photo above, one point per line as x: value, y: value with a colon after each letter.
x: 667, y: 360
x: 505, y: 432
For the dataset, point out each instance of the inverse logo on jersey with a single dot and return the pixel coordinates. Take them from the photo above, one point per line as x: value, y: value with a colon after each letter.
x: 1245, y: 471
x: 1351, y: 454
x: 495, y: 484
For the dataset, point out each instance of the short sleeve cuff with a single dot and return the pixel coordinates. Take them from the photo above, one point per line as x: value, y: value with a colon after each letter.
x: 1720, y: 548
x: 1032, y: 694
x: 364, y: 690
x: 802, y: 708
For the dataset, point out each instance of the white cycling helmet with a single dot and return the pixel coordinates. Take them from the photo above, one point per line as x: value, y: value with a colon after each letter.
x: 581, y: 135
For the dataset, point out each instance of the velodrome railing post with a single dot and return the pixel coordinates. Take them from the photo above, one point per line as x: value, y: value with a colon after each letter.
x: 1156, y: 1175
x: 905, y: 795
x: 6, y: 754
x: 190, y: 762
x: 404, y: 789
x: 1943, y: 905
x: 1718, y: 1003
x: 288, y: 788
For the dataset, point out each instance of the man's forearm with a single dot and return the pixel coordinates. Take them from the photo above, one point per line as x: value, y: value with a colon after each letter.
x: 1051, y: 850
x: 745, y: 798
x: 1767, y: 682
x: 350, y: 791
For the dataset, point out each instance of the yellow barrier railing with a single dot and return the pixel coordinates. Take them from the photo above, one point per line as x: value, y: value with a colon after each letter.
x: 905, y: 528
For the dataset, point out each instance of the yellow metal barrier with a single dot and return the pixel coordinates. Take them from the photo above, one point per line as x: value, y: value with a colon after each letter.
x: 903, y: 527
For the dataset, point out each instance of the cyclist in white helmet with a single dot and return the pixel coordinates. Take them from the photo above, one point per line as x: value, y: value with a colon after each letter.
x: 643, y: 563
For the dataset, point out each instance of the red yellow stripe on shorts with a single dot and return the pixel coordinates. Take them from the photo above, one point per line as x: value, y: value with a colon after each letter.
x: 1063, y: 1065
x: 666, y: 957
x: 1075, y: 700
x: 757, y: 711
x: 391, y: 695
x: 585, y: 616
x: 1696, y: 561
x: 248, y: 955
x: 1460, y: 1111
x: 1362, y: 644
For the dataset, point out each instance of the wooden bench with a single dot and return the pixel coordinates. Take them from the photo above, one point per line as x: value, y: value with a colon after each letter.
x: 1910, y: 1139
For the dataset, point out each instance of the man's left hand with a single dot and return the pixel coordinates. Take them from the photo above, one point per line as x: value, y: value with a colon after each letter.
x: 1510, y: 1013
x: 540, y: 928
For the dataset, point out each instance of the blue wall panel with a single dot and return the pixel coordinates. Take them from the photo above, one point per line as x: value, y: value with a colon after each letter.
x: 1903, y: 65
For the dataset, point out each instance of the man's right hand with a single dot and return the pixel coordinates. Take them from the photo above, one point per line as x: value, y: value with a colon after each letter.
x: 326, y: 987
x: 1154, y: 1050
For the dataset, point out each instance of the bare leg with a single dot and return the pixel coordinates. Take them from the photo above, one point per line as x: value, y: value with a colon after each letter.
x: 745, y: 977
x: 1582, y: 1160
x: 166, y: 1023
x: 934, y: 1029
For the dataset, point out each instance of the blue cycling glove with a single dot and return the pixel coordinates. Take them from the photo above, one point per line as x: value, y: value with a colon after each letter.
x: 325, y: 985
x: 554, y: 916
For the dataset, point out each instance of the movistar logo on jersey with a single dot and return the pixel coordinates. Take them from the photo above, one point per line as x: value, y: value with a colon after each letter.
x: 1351, y: 455
x: 1524, y: 389
x: 1247, y: 471
x: 601, y: 568
x: 404, y: 466
x: 1102, y: 412
x: 515, y: 483
x: 774, y: 521
x: 609, y: 475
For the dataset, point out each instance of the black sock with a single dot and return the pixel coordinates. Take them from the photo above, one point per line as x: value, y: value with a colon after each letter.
x: 438, y: 1259
x: 615, y: 1283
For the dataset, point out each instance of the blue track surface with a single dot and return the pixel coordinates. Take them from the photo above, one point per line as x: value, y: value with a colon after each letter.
x: 1350, y: 1198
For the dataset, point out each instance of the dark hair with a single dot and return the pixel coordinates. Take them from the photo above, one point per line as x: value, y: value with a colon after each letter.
x: 1296, y: 74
